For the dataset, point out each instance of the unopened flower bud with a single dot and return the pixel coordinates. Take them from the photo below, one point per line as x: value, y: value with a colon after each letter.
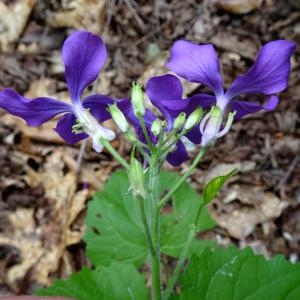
x: 137, y: 99
x: 118, y: 117
x: 194, y: 118
x: 179, y: 121
x: 136, y: 177
x: 156, y: 127
x: 131, y: 137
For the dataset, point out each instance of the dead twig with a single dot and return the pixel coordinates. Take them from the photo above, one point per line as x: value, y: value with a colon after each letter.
x: 289, y: 172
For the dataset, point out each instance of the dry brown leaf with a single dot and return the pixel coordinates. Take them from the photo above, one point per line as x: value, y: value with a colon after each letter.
x: 238, y: 6
x: 88, y: 14
x: 223, y: 169
x: 230, y: 42
x: 14, y: 17
x: 255, y: 207
x: 43, y: 247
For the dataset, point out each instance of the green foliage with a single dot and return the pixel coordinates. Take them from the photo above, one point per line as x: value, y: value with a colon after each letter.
x: 115, y: 231
x: 213, y: 187
x: 234, y: 274
x: 117, y: 282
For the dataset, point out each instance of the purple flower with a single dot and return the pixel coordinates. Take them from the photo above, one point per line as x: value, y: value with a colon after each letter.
x: 157, y: 89
x: 199, y: 63
x: 84, y: 55
x: 168, y: 88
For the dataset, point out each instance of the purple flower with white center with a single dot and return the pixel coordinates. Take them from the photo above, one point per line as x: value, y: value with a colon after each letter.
x: 199, y: 63
x: 84, y: 55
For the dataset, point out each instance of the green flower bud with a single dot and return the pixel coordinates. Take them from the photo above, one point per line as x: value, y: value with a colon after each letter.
x: 194, y: 118
x: 179, y: 121
x: 131, y: 137
x: 137, y: 99
x: 118, y: 117
x: 136, y: 177
x: 156, y: 127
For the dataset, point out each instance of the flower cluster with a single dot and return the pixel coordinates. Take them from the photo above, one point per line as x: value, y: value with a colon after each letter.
x: 199, y: 119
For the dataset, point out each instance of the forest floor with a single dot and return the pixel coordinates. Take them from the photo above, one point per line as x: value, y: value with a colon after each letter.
x: 39, y: 177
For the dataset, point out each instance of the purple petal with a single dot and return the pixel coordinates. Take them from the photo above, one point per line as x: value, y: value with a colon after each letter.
x: 165, y: 87
x: 177, y: 157
x: 98, y: 105
x: 194, y: 135
x: 127, y: 109
x: 196, y: 63
x: 244, y: 108
x: 36, y: 111
x: 190, y: 104
x: 269, y: 74
x: 64, y: 129
x: 84, y: 55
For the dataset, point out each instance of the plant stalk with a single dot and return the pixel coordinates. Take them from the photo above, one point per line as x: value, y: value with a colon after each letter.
x: 155, y: 257
x: 184, y: 254
x: 145, y: 224
x: 180, y: 263
x: 114, y: 153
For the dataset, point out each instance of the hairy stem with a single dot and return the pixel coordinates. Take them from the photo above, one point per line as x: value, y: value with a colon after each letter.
x: 145, y: 224
x: 180, y: 263
x: 184, y: 254
x: 114, y: 153
x: 155, y: 258
x: 145, y: 132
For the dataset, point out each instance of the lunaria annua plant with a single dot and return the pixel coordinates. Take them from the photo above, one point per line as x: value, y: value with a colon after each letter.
x: 134, y: 229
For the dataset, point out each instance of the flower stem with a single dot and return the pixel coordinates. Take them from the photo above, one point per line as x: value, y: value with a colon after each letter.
x: 182, y: 258
x: 184, y: 254
x: 114, y: 153
x: 166, y: 198
x: 145, y: 132
x: 146, y: 226
x: 155, y: 226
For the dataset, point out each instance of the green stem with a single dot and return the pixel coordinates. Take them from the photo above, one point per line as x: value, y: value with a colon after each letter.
x: 169, y: 137
x: 182, y: 258
x: 145, y: 131
x: 178, y: 137
x: 155, y: 258
x: 114, y: 153
x: 166, y: 198
x: 198, y: 213
x: 145, y: 224
x: 184, y: 254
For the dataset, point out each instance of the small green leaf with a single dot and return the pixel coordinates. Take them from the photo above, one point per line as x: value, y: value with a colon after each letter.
x: 115, y: 231
x: 234, y: 274
x: 213, y: 187
x: 117, y: 282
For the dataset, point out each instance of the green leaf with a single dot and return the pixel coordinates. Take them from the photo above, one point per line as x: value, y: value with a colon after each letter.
x: 115, y: 231
x: 234, y: 274
x: 117, y: 282
x: 213, y: 187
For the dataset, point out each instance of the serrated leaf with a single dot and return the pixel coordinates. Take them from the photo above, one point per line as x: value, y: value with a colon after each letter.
x: 117, y: 282
x: 212, y: 188
x: 114, y: 228
x: 234, y: 274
